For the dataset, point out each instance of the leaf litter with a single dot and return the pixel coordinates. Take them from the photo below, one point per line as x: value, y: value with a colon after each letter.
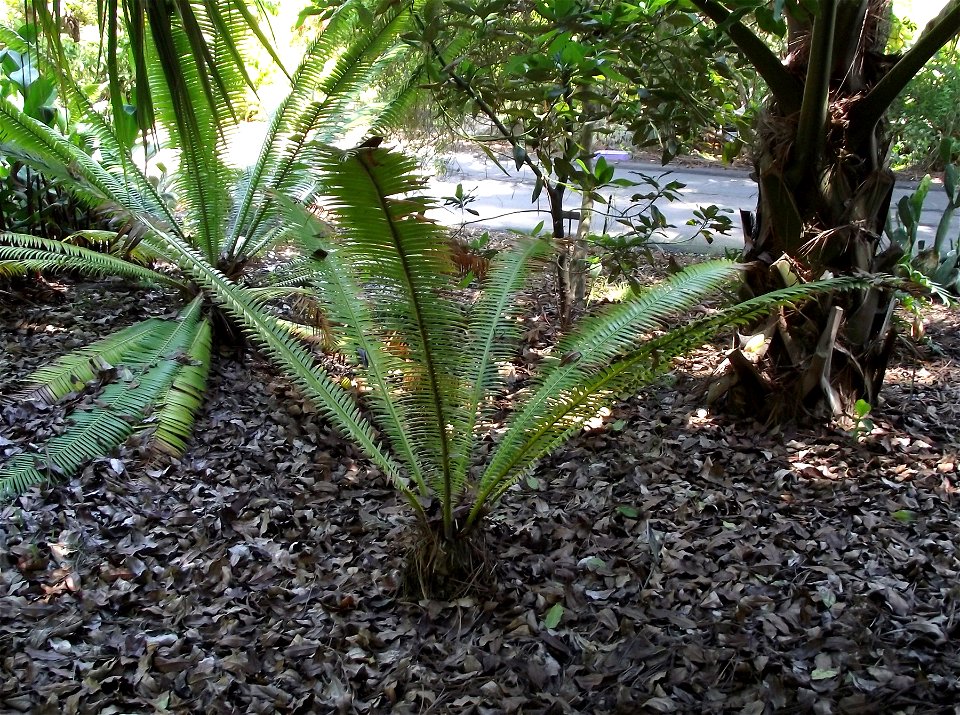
x: 669, y: 561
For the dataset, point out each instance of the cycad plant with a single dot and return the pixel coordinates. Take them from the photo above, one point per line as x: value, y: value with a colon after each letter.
x: 205, y: 244
x: 429, y: 362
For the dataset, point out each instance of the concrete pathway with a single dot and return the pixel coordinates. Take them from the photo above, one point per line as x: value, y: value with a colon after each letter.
x: 504, y: 201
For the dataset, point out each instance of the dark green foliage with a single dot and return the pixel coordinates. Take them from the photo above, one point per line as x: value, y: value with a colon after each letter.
x: 29, y: 201
x: 925, y: 119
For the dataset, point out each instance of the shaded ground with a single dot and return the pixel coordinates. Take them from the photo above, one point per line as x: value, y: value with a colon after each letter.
x: 702, y: 565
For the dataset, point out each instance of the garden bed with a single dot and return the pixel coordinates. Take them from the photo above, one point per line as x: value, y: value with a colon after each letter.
x: 700, y: 563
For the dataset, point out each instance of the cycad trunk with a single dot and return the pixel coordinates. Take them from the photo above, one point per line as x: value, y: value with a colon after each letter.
x: 824, y: 193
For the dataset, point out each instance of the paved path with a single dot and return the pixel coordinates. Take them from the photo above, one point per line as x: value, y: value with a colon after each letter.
x: 503, y: 202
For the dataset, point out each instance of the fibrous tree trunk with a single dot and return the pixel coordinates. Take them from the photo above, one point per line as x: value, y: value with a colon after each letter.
x: 825, y: 187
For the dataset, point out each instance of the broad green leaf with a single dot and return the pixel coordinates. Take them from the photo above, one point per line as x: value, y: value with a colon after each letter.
x: 824, y: 674
x: 554, y: 615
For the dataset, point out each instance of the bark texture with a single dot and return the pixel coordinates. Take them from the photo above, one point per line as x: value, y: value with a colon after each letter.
x: 824, y: 196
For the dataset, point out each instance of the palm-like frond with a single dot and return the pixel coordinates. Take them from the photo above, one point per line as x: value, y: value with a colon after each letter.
x: 179, y: 406
x: 122, y: 405
x: 37, y: 145
x: 116, y: 243
x: 112, y: 186
x: 360, y: 338
x: 57, y: 158
x: 39, y: 254
x: 565, y: 410
x: 390, y: 116
x: 71, y: 372
x: 402, y: 261
x: 190, y: 104
x: 595, y: 342
x: 333, y: 401
x: 216, y: 32
x: 491, y: 341
x: 203, y: 180
x: 341, y: 63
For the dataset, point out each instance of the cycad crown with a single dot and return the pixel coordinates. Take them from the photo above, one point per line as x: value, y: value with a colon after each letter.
x: 223, y: 218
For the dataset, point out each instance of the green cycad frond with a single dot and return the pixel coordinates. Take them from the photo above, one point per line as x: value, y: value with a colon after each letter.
x: 566, y: 410
x: 34, y: 253
x: 117, y: 187
x: 342, y: 62
x: 179, y: 406
x: 380, y: 370
x: 297, y: 274
x: 71, y: 372
x: 391, y: 115
x: 118, y: 409
x: 359, y: 337
x: 36, y: 144
x: 598, y: 339
x: 491, y: 340
x: 333, y: 402
x: 115, y: 243
x: 203, y: 180
x: 215, y: 31
x: 11, y: 269
x: 404, y: 265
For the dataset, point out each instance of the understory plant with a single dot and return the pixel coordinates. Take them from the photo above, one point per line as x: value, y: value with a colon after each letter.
x: 430, y: 362
x: 30, y: 202
x: 937, y: 266
x: 205, y: 246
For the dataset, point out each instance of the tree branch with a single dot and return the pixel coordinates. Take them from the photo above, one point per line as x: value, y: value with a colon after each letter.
x: 786, y: 89
x: 868, y: 112
x: 489, y: 111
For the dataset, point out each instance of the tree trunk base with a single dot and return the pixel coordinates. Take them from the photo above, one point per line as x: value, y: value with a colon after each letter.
x: 447, y: 569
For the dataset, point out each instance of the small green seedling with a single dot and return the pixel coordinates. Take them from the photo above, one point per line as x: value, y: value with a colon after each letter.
x: 864, y: 424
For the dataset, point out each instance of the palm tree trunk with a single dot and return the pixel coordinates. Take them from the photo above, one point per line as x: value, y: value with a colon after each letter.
x: 824, y: 194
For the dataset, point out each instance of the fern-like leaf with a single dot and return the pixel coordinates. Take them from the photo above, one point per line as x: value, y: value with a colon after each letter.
x: 569, y: 408
x: 404, y: 263
x: 71, y: 372
x: 178, y: 409
x: 332, y: 400
x: 42, y: 254
x: 491, y: 340
x: 593, y: 344
x: 118, y: 409
x: 343, y: 61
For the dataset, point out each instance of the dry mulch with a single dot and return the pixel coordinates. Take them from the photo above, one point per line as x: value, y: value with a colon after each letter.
x: 700, y: 564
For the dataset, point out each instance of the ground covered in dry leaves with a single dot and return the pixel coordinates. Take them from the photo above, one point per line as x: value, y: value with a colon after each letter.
x: 702, y: 565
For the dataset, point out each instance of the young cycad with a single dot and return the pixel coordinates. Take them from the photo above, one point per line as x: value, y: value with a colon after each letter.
x: 387, y: 279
